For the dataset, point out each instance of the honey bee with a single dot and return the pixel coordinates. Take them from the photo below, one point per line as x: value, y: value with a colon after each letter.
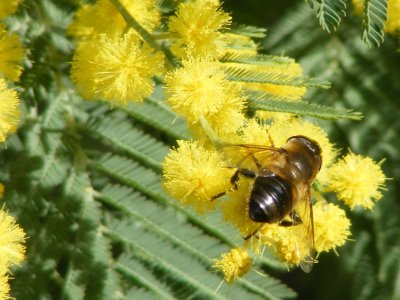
x: 282, y: 182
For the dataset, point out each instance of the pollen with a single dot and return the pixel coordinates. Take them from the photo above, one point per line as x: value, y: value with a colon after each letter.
x: 118, y: 69
x: 194, y: 175
x: 198, y: 25
x: 233, y: 264
x: 331, y: 226
x: 357, y: 180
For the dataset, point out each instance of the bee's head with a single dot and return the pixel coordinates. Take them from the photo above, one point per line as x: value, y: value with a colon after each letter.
x: 309, y: 145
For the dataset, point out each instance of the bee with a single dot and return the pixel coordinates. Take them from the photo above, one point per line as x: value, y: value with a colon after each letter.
x: 282, y: 182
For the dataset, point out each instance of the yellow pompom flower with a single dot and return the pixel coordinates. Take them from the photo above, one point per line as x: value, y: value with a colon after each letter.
x: 92, y: 19
x: 194, y: 176
x: 12, y: 238
x: 357, y: 180
x: 393, y: 17
x: 11, y: 55
x: 4, y: 285
x: 118, y: 69
x: 9, y: 110
x: 233, y: 264
x: 235, y: 209
x: 330, y: 225
x: 197, y: 25
x: 287, y: 243
x: 8, y: 7
x: 199, y: 89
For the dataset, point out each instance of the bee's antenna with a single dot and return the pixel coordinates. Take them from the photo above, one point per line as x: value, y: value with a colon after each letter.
x: 210, y: 133
x: 219, y: 286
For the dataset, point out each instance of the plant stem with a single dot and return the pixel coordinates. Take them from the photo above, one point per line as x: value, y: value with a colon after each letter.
x: 146, y: 36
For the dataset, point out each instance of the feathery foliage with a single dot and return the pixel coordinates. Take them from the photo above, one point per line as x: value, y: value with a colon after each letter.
x: 331, y: 12
x: 84, y: 179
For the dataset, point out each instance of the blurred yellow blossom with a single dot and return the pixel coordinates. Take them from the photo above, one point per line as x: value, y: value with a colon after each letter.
x: 8, y: 7
x: 9, y: 110
x: 11, y: 55
x: 91, y: 20
x: 12, y: 238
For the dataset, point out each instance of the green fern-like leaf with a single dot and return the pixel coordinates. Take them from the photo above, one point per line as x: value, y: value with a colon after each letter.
x: 303, y: 108
x: 329, y: 13
x: 374, y: 17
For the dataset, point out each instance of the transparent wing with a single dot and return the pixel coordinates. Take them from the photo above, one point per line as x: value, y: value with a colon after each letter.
x: 253, y: 156
x: 306, y: 244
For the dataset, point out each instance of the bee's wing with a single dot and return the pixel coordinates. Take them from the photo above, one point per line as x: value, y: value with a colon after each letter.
x: 305, y: 211
x: 252, y: 156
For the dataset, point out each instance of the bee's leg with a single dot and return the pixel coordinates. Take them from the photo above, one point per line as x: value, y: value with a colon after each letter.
x: 234, y: 180
x: 256, y: 162
x: 271, y: 142
x: 245, y: 172
x: 295, y: 220
x: 218, y: 196
x: 252, y: 234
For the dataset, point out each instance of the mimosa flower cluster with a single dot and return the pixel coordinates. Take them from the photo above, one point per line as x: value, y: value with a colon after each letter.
x: 12, y: 237
x: 210, y: 72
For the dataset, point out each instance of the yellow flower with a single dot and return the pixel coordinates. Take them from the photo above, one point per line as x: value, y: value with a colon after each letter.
x: 194, y: 176
x: 8, y: 7
x: 331, y: 226
x: 357, y: 180
x: 393, y: 17
x: 9, y: 110
x: 118, y: 69
x: 288, y: 243
x: 197, y: 25
x: 92, y: 19
x: 235, y: 209
x: 11, y: 55
x: 233, y: 264
x: 199, y: 89
x: 4, y: 285
x: 12, y: 249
